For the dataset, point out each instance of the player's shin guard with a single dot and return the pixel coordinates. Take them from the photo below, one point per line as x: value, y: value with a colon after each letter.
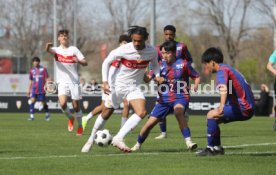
x: 186, y: 133
x: 99, y: 123
x: 67, y: 112
x: 79, y: 118
x: 46, y: 108
x: 131, y: 123
x: 163, y: 125
x: 212, y: 132
x: 141, y: 139
x: 32, y: 110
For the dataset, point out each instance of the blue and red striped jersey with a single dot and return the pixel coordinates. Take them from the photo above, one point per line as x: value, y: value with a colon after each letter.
x: 38, y: 76
x: 176, y: 85
x: 239, y: 91
x: 181, y: 52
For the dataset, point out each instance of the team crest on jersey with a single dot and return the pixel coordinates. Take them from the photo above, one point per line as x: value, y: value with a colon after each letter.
x: 179, y: 66
x: 18, y: 104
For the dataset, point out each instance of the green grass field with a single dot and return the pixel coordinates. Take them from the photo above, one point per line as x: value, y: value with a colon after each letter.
x: 44, y: 148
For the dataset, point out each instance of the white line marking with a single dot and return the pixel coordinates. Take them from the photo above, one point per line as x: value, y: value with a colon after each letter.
x: 146, y: 154
x: 248, y: 145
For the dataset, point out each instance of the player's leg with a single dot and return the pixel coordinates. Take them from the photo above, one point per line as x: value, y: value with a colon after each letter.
x: 139, y: 113
x: 152, y: 121
x: 138, y: 103
x: 125, y: 112
x: 31, y: 109
x: 78, y: 114
x: 97, y: 110
x: 179, y: 110
x: 163, y: 129
x: 42, y: 99
x: 213, y: 134
x: 159, y: 111
x: 107, y: 111
x: 274, y: 125
x: 63, y: 93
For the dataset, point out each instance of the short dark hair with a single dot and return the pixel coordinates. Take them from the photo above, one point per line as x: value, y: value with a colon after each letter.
x: 36, y: 59
x: 169, y: 46
x: 138, y: 30
x: 170, y: 27
x: 63, y: 31
x: 212, y: 54
x: 124, y: 38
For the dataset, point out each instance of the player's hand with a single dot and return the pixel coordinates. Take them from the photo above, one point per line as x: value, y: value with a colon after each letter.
x: 195, y: 88
x: 75, y: 59
x: 106, y: 87
x: 49, y: 45
x: 28, y: 94
x: 220, y: 110
x: 159, y: 80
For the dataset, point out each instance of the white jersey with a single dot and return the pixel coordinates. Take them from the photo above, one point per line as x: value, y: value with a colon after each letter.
x: 66, y: 67
x: 133, y: 64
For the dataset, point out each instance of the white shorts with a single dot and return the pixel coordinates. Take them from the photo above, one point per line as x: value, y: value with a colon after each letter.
x: 70, y: 89
x: 115, y: 98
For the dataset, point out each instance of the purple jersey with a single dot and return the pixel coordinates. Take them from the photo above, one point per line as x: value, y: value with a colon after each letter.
x: 239, y: 94
x: 181, y: 52
x: 176, y: 85
x: 38, y: 76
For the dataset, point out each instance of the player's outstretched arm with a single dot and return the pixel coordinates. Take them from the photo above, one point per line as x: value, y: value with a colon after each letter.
x: 270, y: 67
x: 49, y: 49
x: 197, y: 81
x: 82, y: 62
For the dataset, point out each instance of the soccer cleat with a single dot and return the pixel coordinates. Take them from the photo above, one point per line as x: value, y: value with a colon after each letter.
x: 219, y: 150
x: 206, y: 152
x: 31, y: 119
x: 87, y: 147
x: 136, y: 147
x: 161, y: 136
x: 79, y: 131
x: 120, y: 145
x: 71, y: 124
x: 191, y: 146
x: 84, y: 122
x: 47, y: 118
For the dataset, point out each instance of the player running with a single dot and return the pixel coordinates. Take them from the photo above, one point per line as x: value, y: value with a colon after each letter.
x: 134, y: 57
x: 182, y: 52
x: 66, y: 60
x: 173, y: 91
x: 123, y: 39
x: 236, y: 99
x: 38, y: 78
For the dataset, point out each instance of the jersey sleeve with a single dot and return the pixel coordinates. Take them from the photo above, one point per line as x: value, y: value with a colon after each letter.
x: 78, y: 54
x: 113, y: 55
x: 30, y: 75
x: 186, y: 54
x: 191, y: 71
x: 272, y: 57
x: 222, y: 77
x: 155, y: 65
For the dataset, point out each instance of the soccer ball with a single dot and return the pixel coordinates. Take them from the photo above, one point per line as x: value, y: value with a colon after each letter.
x: 103, y: 138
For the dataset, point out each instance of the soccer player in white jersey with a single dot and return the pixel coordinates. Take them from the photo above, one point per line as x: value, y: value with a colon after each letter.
x: 66, y: 59
x: 123, y: 39
x: 134, y: 57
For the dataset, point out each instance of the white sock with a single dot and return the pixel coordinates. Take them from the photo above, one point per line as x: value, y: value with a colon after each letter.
x: 89, y: 116
x: 99, y: 123
x: 188, y: 139
x: 123, y: 121
x: 32, y: 115
x: 164, y: 133
x: 79, y: 118
x: 47, y: 113
x: 67, y: 112
x: 130, y: 124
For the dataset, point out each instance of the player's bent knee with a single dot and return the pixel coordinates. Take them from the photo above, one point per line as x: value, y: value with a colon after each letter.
x: 142, y: 114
